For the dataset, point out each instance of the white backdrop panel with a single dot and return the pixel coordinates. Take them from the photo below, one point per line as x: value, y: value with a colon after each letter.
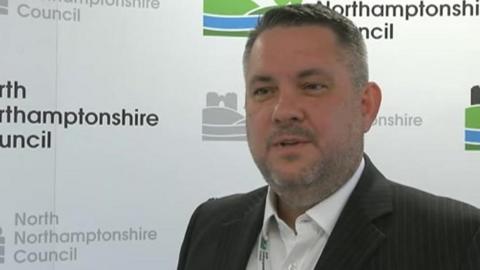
x: 148, y: 179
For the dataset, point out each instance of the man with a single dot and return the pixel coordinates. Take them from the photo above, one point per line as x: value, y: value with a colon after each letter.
x: 308, y: 104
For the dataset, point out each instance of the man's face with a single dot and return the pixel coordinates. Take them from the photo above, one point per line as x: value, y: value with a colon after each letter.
x: 304, y: 117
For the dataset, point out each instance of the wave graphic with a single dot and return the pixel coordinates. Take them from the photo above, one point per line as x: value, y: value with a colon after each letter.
x: 472, y: 136
x: 230, y: 23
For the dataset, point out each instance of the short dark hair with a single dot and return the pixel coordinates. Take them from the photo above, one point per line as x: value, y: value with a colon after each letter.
x: 348, y: 35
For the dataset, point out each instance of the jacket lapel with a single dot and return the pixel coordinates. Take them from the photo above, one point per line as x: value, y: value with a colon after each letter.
x: 355, y: 237
x: 238, y: 236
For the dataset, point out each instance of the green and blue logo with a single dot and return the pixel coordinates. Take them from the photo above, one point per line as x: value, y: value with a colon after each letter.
x: 472, y: 122
x: 236, y: 18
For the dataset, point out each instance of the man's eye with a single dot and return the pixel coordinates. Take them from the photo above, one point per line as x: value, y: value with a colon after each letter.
x: 261, y: 91
x: 314, y: 86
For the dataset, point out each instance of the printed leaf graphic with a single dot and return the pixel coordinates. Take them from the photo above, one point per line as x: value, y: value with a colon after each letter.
x: 228, y: 7
x: 287, y: 2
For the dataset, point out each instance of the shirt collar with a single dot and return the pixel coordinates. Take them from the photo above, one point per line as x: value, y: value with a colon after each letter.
x: 324, y: 213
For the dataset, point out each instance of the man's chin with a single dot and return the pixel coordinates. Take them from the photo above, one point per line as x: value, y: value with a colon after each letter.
x: 298, y: 189
x: 286, y: 180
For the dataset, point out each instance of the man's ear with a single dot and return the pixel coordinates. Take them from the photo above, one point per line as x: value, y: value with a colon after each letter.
x: 371, y: 98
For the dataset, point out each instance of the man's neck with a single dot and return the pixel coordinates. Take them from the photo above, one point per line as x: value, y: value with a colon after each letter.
x: 289, y: 214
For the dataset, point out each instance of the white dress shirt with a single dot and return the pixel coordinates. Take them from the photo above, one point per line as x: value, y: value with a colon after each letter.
x: 287, y: 250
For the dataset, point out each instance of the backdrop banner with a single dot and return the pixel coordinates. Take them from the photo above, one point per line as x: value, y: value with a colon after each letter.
x: 119, y: 117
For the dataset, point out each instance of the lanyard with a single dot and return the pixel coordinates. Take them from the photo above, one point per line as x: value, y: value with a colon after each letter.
x: 263, y: 258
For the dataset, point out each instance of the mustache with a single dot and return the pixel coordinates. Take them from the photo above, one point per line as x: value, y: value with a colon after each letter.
x: 291, y: 130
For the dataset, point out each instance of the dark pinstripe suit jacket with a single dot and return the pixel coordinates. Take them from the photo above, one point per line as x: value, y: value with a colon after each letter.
x: 384, y: 226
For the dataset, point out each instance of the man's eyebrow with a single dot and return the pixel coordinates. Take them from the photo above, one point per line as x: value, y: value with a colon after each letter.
x: 311, y: 72
x: 302, y: 74
x: 260, y: 78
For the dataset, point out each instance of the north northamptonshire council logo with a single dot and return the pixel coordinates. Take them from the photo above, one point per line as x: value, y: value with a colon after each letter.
x: 3, y: 7
x: 221, y: 120
x: 472, y: 121
x: 236, y: 17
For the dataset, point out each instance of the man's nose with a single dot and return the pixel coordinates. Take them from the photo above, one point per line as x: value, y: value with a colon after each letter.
x: 288, y: 109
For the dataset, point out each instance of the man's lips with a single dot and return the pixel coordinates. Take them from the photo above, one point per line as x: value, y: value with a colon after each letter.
x: 286, y: 141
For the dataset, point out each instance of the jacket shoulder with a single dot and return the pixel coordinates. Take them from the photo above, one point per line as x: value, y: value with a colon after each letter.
x: 433, y: 210
x: 209, y: 218
x: 233, y: 205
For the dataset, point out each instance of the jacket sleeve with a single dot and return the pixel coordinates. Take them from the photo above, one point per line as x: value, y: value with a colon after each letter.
x: 472, y: 258
x: 183, y: 257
